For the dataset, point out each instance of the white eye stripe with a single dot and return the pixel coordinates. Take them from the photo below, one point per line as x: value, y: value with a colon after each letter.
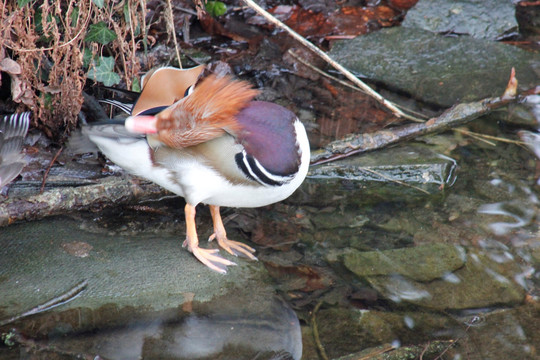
x: 253, y: 169
x: 189, y: 90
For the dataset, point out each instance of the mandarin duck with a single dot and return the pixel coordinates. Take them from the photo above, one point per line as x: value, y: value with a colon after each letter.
x: 13, y: 129
x: 208, y: 141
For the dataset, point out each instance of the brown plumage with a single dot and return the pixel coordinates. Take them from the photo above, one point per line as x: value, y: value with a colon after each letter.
x: 164, y: 86
x: 205, y: 114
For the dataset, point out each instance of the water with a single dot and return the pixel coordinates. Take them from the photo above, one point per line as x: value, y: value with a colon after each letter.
x: 454, y: 274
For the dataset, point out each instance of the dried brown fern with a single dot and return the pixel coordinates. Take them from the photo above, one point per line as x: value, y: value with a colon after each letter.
x: 50, y: 53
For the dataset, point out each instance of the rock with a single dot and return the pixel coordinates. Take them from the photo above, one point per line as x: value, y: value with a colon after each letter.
x: 345, y: 331
x: 487, y: 19
x: 480, y: 283
x: 421, y: 263
x: 388, y: 352
x: 436, y: 69
x: 146, y: 296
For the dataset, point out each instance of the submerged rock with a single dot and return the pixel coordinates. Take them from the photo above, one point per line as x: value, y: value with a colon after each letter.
x: 421, y: 263
x: 438, y: 276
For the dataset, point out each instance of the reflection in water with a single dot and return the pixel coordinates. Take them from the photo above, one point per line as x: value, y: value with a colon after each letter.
x: 273, y: 334
x: 522, y: 215
x: 400, y: 289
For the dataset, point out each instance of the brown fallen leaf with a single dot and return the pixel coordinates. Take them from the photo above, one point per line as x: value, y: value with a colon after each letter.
x: 10, y: 66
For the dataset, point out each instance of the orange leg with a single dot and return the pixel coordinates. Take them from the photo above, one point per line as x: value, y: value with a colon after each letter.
x: 232, y: 247
x: 207, y: 256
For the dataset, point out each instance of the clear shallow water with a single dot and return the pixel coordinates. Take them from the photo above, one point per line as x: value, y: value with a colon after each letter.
x: 448, y: 276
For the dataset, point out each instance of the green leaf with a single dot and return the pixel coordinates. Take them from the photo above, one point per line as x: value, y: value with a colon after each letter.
x: 88, y: 57
x: 125, y: 10
x: 216, y: 8
x: 74, y: 16
x: 136, y: 85
x: 99, y: 3
x: 100, y: 33
x: 103, y: 71
x: 22, y: 3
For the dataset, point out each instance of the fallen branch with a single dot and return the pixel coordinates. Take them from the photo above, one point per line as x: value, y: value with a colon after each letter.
x: 107, y: 192
x: 457, y: 115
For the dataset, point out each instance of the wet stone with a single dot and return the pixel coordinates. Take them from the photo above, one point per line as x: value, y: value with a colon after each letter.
x: 421, y: 263
x: 341, y: 331
x: 132, y: 270
x: 479, y: 18
x: 481, y: 282
x: 145, y: 297
x: 369, y: 328
x: 437, y: 69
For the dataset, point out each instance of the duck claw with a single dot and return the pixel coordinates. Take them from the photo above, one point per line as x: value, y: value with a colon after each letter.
x: 234, y: 247
x: 209, y: 258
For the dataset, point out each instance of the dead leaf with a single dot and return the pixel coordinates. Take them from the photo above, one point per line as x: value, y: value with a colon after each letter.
x: 20, y: 92
x: 300, y: 277
x: 10, y: 66
x: 402, y: 4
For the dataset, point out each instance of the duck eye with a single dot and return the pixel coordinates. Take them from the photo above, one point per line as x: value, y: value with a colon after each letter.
x: 188, y: 91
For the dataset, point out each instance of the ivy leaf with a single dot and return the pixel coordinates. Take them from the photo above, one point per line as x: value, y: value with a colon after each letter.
x: 88, y: 57
x: 216, y: 8
x: 136, y: 85
x: 22, y: 3
x: 74, y: 16
x: 103, y: 71
x: 100, y: 33
x: 99, y: 3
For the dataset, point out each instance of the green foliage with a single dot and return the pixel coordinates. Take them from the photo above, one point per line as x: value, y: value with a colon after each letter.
x: 74, y: 16
x: 22, y: 3
x: 136, y: 85
x: 102, y: 70
x: 100, y: 33
x: 216, y: 8
x: 38, y: 22
x: 87, y: 57
x: 127, y: 19
x: 99, y: 3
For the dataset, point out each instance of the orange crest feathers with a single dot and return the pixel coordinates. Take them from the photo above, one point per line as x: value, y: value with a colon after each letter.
x: 206, y: 113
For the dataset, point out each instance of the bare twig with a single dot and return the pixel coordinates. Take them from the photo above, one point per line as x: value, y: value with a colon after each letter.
x: 378, y: 352
x: 170, y: 26
x: 315, y: 329
x: 475, y: 136
x: 392, y: 107
x: 49, y: 169
x: 59, y: 300
x: 344, y: 83
x: 490, y: 137
x: 394, y: 180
